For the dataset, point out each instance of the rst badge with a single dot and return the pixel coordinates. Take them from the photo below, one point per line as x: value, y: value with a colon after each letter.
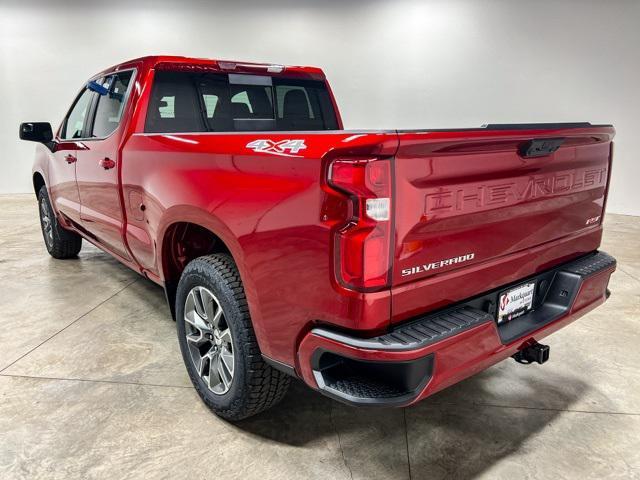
x: 286, y: 148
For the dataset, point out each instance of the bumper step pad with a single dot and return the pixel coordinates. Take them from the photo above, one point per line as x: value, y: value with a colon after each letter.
x: 437, y: 326
x: 367, y: 382
x: 434, y: 327
x: 419, y: 332
x: 590, y: 265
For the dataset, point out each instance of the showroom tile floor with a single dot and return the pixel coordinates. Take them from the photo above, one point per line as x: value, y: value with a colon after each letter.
x: 92, y: 386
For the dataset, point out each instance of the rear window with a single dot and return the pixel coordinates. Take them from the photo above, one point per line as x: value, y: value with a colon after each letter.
x: 187, y: 102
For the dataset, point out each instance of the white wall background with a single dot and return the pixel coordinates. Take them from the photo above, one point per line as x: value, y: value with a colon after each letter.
x: 392, y: 64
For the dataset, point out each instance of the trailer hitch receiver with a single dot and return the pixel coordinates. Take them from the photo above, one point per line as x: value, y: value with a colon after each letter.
x: 536, y: 352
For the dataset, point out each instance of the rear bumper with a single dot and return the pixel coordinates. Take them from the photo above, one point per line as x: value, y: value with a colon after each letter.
x: 432, y: 352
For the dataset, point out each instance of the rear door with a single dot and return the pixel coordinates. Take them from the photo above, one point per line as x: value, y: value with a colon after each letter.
x: 97, y: 168
x: 479, y: 197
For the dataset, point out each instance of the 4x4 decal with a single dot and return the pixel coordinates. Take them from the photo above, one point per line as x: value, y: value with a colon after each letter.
x: 277, y: 148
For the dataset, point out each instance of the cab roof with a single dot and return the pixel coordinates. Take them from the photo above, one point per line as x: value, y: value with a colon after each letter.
x: 169, y: 62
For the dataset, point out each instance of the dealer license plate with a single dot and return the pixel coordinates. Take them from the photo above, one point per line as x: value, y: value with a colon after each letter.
x: 515, y: 302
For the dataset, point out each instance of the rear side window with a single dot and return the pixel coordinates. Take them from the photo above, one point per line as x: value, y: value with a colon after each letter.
x: 174, y: 105
x: 185, y: 102
x: 74, y: 123
x: 111, y: 105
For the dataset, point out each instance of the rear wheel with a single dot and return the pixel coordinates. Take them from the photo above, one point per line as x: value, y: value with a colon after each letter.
x: 60, y: 243
x: 218, y: 343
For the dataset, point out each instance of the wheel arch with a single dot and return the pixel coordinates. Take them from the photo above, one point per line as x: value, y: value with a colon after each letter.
x: 187, y: 236
x: 38, y: 182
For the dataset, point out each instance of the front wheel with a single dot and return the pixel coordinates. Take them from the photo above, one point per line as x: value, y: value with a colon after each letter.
x: 60, y: 243
x: 218, y: 343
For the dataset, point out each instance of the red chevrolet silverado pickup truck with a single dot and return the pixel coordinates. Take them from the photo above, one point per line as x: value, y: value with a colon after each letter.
x: 377, y: 266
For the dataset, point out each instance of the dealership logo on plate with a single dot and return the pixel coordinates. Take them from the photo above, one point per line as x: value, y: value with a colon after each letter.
x: 504, y: 301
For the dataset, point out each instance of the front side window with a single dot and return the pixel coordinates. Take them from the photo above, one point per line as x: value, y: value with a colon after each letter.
x: 111, y: 105
x: 74, y: 124
x: 186, y: 102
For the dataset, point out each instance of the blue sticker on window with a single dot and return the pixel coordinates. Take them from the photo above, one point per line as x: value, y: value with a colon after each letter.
x: 96, y: 87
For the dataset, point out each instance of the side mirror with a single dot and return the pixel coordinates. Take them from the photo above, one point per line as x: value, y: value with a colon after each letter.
x: 36, y: 132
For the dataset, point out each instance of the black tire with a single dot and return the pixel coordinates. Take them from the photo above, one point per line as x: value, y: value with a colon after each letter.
x: 255, y: 385
x: 60, y: 243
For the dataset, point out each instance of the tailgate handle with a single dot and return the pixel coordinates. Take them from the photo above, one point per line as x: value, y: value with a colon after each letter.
x: 540, y: 147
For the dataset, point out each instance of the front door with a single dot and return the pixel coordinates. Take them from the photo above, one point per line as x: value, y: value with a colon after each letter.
x: 98, y: 166
x: 68, y: 148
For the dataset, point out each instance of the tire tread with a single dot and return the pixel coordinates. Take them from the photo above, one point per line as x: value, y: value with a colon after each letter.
x: 266, y: 385
x: 66, y: 244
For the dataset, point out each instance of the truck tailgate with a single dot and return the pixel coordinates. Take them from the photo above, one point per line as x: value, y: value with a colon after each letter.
x: 477, y: 209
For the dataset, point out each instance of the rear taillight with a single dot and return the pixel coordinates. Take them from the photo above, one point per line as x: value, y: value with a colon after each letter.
x: 363, y: 243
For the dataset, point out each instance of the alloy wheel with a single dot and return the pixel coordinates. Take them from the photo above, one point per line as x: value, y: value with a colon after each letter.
x: 209, y: 340
x: 47, y: 224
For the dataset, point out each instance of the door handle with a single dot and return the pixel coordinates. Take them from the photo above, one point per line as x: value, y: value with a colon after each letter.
x: 70, y: 159
x: 107, y: 163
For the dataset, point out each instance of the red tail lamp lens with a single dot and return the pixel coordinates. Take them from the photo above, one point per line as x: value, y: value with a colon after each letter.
x: 363, y: 243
